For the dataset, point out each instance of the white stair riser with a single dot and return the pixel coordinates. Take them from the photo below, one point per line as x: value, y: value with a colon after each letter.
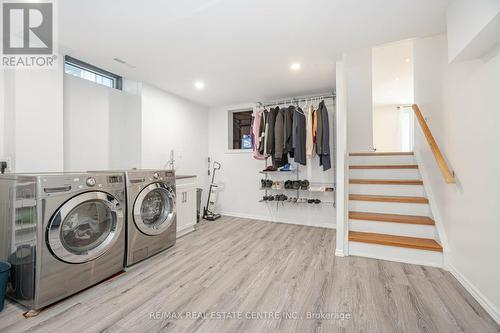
x: 395, y: 253
x: 391, y: 228
x: 384, y: 174
x: 402, y: 190
x: 405, y: 159
x: 389, y: 208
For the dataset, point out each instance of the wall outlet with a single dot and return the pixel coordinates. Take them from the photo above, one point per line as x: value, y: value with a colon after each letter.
x: 9, y: 164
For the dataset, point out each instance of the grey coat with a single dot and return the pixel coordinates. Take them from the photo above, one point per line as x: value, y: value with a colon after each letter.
x: 325, y: 159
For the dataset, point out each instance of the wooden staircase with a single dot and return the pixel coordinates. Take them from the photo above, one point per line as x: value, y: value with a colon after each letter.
x: 390, y: 216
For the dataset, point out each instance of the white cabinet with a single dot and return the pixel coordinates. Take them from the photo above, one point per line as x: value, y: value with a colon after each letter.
x: 186, y: 205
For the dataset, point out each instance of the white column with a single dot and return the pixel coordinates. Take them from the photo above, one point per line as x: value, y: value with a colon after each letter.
x: 342, y: 247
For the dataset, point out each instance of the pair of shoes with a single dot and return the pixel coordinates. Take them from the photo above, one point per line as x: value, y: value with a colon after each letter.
x: 270, y: 169
x: 268, y: 198
x: 278, y: 185
x: 297, y: 184
x: 292, y: 200
x: 301, y: 200
x: 281, y: 197
x: 287, y: 167
x: 266, y: 183
x: 314, y: 201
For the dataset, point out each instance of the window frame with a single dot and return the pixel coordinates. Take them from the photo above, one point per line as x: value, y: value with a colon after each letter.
x: 116, y: 79
x: 230, y: 129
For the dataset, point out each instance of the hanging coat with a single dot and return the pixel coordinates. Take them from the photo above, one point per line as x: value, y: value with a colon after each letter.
x: 289, y: 130
x: 325, y: 158
x: 256, y: 135
x: 299, y: 136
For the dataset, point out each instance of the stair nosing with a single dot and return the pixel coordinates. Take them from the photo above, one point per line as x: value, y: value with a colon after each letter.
x: 388, y: 198
x: 382, y: 154
x: 392, y: 218
x: 359, y: 181
x: 384, y: 166
x: 393, y: 242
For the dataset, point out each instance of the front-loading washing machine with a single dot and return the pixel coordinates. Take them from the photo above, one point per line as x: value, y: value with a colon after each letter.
x: 66, y: 232
x: 151, y: 213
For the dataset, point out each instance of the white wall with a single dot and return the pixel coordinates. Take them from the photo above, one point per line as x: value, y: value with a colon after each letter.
x: 461, y: 103
x: 2, y: 112
x: 358, y: 66
x: 387, y: 134
x: 473, y: 28
x: 102, y: 127
x: 170, y: 122
x: 33, y: 129
x: 240, y: 179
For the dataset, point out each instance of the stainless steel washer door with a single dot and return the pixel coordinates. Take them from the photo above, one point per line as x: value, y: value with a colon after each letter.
x: 154, y: 209
x: 85, y: 227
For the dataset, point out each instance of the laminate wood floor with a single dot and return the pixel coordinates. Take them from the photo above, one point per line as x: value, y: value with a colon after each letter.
x: 246, y: 268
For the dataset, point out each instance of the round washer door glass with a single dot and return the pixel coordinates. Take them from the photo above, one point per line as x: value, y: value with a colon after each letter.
x: 154, y: 209
x: 85, y: 227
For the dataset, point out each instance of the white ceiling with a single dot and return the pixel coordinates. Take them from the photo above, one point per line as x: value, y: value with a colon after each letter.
x: 241, y: 49
x: 392, y: 67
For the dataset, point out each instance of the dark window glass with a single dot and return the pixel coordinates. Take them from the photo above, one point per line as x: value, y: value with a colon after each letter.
x: 242, y: 122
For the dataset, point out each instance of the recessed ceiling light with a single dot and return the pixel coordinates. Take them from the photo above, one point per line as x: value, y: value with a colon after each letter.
x: 295, y: 66
x: 397, y: 78
x: 407, y: 59
x: 200, y: 85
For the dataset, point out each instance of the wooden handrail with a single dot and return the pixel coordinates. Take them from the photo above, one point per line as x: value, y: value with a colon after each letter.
x: 449, y: 176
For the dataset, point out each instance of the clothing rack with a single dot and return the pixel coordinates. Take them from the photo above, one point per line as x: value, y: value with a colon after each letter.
x: 295, y: 100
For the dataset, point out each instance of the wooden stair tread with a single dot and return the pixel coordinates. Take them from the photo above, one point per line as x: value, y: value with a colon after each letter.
x: 392, y: 240
x: 386, y: 181
x: 384, y: 166
x: 388, y: 198
x: 397, y: 218
x: 388, y: 153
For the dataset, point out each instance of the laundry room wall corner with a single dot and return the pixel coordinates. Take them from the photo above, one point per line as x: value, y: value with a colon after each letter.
x: 170, y: 122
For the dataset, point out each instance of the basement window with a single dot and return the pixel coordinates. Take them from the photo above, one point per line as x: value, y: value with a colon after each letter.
x: 240, y: 123
x: 86, y: 71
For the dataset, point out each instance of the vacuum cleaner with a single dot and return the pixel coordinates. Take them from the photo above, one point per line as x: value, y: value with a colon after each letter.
x: 208, y: 210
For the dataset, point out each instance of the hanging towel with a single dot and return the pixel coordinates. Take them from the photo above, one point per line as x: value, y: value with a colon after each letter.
x: 325, y: 160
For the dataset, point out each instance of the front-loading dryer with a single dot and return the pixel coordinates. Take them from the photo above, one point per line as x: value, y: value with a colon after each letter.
x: 67, y: 233
x: 151, y: 213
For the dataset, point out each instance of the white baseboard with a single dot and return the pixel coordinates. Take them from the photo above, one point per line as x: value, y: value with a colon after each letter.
x: 339, y: 253
x: 478, y: 296
x: 185, y: 231
x: 269, y: 219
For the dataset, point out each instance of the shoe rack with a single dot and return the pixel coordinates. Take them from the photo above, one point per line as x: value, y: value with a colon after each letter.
x: 296, y: 194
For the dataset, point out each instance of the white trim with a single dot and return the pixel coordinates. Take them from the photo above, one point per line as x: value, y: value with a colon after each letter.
x: 339, y: 253
x: 185, y: 231
x: 269, y: 219
x: 238, y: 151
x: 478, y: 296
x: 389, y: 258
x: 342, y: 193
x: 433, y: 206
